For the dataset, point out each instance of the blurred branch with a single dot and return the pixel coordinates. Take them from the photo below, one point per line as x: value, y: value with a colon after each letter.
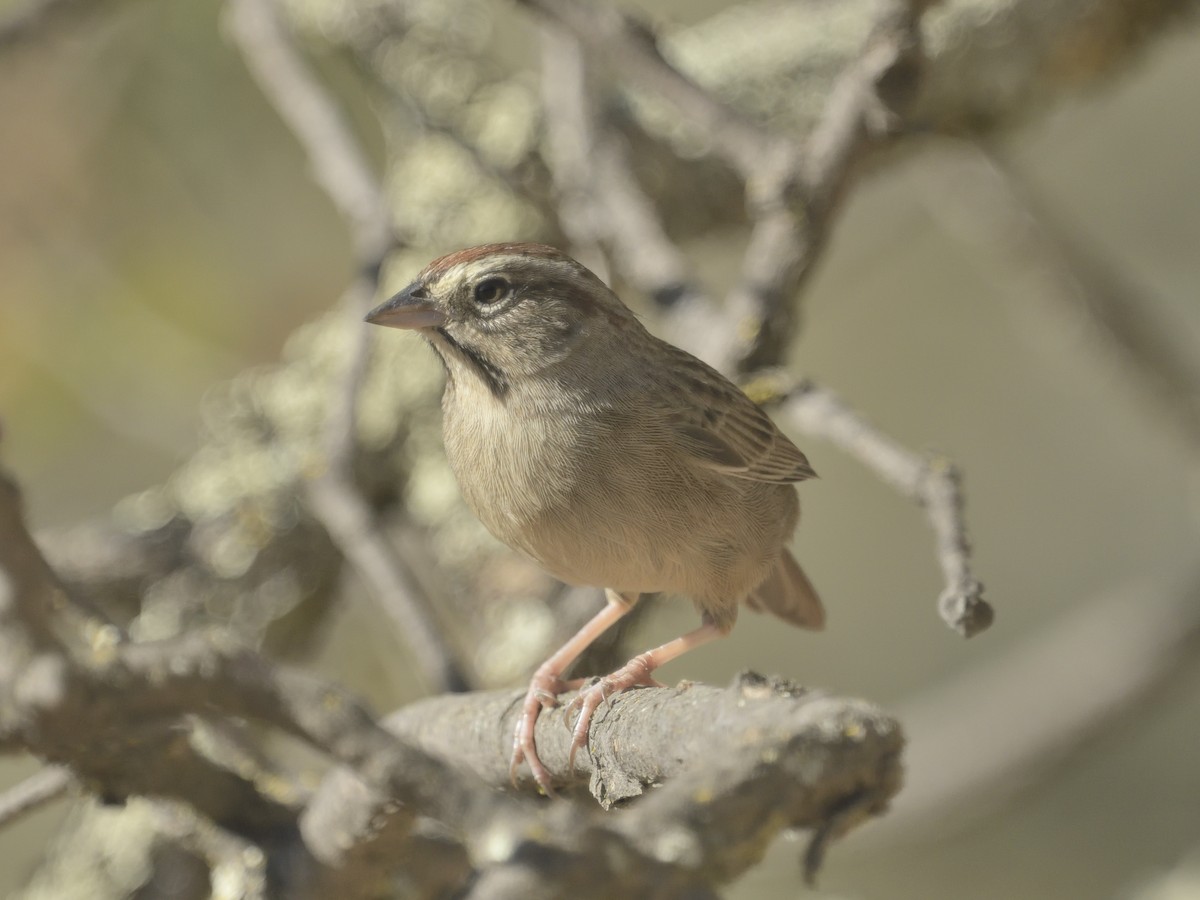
x: 341, y: 169
x: 795, y: 195
x: 1179, y: 882
x: 1005, y: 212
x: 33, y: 793
x: 193, y: 858
x: 359, y: 534
x: 124, y: 698
x: 792, y: 188
x: 573, y: 130
x: 30, y: 17
x: 339, y: 165
x: 59, y: 679
x: 602, y: 203
x: 991, y: 64
x: 998, y: 727
x: 630, y: 48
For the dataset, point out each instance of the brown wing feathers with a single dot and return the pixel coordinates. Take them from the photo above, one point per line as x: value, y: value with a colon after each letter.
x: 725, y: 430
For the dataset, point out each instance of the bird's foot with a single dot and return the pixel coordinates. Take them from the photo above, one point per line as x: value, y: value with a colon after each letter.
x: 637, y: 672
x: 544, y: 688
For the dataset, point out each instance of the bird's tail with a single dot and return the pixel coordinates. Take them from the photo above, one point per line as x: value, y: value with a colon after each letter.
x: 789, y: 594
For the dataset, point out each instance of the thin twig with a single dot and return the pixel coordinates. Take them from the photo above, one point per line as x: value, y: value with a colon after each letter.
x: 932, y: 482
x: 33, y: 793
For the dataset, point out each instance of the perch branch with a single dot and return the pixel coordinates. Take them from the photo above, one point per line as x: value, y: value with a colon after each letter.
x: 745, y: 749
x: 625, y: 757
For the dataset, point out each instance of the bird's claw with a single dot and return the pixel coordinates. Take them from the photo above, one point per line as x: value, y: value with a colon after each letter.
x: 601, y: 692
x: 584, y: 686
x: 543, y: 693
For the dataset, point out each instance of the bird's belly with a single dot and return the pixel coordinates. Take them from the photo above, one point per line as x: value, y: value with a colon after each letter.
x: 614, y: 551
x: 662, y: 532
x: 594, y: 509
x: 580, y: 523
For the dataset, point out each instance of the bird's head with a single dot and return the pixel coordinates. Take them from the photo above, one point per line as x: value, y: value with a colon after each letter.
x: 505, y: 311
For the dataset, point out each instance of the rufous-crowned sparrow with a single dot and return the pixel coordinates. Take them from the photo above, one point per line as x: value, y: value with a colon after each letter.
x: 609, y: 456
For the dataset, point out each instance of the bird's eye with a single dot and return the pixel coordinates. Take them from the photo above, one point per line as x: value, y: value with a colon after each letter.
x: 490, y: 290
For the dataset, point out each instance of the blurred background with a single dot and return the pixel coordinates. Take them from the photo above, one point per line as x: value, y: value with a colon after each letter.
x: 160, y: 233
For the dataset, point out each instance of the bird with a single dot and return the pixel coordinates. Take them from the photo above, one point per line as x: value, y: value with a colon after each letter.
x: 610, y: 457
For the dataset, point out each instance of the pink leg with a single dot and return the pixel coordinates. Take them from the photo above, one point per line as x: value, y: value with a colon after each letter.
x: 637, y: 671
x: 547, y: 684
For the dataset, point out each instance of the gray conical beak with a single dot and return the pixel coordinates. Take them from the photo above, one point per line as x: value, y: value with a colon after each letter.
x: 411, y: 308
